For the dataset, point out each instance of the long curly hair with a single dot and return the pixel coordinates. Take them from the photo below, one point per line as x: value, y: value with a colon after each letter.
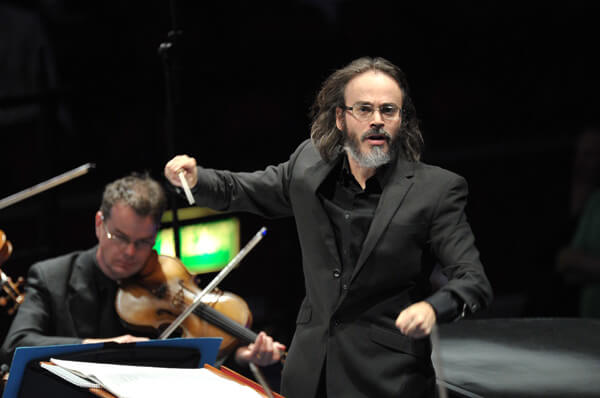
x: 324, y: 133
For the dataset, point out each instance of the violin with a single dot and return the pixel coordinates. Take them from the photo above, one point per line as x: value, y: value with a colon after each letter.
x: 11, y: 297
x: 150, y: 300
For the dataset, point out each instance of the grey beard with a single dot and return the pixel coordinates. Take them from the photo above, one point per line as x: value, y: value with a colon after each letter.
x: 376, y: 157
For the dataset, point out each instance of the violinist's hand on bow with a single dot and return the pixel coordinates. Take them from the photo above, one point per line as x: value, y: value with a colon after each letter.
x: 416, y: 320
x: 126, y: 338
x: 185, y: 164
x: 264, y: 351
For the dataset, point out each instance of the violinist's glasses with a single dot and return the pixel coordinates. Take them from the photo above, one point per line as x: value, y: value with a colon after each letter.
x: 364, y: 111
x: 124, y: 241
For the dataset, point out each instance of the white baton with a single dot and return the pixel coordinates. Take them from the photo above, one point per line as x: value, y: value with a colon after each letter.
x: 186, y: 187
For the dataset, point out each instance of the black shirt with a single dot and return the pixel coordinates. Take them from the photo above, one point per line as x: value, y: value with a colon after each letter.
x: 108, y: 321
x: 350, y: 209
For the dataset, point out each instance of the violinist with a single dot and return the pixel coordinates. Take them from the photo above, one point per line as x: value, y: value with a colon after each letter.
x: 71, y: 299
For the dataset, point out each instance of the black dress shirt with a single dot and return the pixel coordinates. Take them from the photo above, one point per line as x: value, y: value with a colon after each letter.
x: 350, y: 210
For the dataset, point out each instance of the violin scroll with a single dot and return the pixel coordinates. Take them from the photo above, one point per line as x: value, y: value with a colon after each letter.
x: 11, y: 295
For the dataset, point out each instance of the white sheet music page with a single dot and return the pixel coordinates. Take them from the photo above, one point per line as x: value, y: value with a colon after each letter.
x: 69, y: 376
x: 126, y: 381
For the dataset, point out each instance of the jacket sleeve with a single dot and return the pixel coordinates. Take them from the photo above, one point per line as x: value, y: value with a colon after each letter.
x: 453, y: 244
x: 32, y: 323
x: 264, y: 192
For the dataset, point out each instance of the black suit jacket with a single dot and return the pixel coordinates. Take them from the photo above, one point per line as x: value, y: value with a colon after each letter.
x: 348, y: 326
x: 64, y: 304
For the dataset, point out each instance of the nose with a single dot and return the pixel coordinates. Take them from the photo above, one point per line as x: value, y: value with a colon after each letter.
x: 130, y: 249
x: 377, y: 119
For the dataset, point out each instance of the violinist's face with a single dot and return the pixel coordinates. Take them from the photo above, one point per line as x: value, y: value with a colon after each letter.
x: 125, y: 241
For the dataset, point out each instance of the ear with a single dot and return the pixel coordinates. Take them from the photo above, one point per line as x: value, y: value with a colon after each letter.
x: 98, y: 223
x: 339, y: 118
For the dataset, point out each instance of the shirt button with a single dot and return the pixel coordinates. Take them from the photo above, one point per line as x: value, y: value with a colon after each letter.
x: 336, y: 273
x: 345, y: 286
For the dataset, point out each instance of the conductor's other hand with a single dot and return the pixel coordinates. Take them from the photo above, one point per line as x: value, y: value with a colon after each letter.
x: 178, y: 164
x: 416, y: 320
x: 264, y: 351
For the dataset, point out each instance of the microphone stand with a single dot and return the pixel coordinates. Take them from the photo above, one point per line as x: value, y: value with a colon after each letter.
x: 168, y: 52
x: 170, y: 63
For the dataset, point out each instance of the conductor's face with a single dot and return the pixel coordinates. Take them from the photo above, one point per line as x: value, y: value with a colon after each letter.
x: 125, y: 241
x: 372, y: 117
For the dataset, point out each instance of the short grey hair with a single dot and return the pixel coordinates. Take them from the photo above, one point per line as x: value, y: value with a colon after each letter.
x: 140, y: 192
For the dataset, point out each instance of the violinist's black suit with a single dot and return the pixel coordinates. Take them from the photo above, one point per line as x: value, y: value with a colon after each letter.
x: 67, y: 299
x: 348, y: 325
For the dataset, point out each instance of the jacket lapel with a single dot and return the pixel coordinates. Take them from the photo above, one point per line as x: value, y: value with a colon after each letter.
x: 318, y: 172
x: 391, y: 198
x: 81, y: 296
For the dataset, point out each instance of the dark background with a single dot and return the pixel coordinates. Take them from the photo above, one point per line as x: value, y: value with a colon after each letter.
x: 502, y: 90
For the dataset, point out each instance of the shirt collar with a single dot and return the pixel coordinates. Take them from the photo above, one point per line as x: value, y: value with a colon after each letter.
x: 381, y: 174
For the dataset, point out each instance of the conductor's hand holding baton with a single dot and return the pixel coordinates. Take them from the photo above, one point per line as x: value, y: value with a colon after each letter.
x: 181, y: 172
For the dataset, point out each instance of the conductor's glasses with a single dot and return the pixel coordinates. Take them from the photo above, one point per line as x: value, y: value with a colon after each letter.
x: 364, y: 111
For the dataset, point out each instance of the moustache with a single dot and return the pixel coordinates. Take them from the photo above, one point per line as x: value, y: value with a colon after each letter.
x: 378, y: 133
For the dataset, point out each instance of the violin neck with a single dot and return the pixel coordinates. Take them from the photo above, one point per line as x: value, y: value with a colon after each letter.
x: 231, y: 327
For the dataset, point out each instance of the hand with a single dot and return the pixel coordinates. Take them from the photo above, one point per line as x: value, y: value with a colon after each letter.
x: 126, y: 338
x: 179, y: 163
x: 416, y: 320
x: 264, y: 351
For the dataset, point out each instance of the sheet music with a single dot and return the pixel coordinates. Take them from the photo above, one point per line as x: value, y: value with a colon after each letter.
x: 69, y: 376
x: 126, y: 381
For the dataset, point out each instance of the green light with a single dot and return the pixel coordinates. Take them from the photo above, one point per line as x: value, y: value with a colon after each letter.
x: 205, y: 246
